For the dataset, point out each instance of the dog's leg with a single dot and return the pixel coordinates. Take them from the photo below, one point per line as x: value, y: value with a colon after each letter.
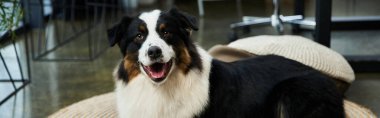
x: 306, y: 97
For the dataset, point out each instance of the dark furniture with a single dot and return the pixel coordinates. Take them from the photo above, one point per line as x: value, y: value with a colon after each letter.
x: 16, y: 69
x: 323, y: 25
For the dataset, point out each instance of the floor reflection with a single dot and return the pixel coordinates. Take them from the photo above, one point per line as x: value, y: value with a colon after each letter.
x: 18, y: 106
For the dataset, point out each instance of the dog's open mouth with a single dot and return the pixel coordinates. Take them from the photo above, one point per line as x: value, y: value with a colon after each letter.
x: 158, y: 71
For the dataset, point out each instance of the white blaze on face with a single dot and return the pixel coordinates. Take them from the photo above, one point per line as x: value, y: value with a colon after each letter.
x: 153, y: 39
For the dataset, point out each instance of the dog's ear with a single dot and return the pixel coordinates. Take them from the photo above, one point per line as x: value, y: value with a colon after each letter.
x: 187, y: 21
x: 115, y: 34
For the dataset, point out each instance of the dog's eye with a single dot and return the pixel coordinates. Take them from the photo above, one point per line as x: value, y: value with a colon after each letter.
x: 166, y: 34
x: 139, y: 37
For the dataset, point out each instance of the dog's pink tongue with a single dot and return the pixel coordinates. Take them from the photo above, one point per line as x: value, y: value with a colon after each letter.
x: 159, y: 74
x: 156, y: 73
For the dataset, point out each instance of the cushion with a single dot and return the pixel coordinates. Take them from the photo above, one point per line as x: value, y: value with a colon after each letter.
x: 296, y: 48
x: 101, y: 106
x: 228, y: 54
x: 104, y: 106
x: 300, y: 49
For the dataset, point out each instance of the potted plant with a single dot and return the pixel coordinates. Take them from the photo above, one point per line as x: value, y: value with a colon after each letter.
x: 10, y: 16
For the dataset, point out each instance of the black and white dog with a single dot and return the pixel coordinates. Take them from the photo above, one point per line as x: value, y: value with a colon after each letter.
x: 163, y: 74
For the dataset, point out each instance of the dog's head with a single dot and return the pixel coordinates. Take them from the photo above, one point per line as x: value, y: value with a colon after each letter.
x: 155, y: 43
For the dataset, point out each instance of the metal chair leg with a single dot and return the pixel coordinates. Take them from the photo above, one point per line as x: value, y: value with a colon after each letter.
x: 275, y: 18
x: 201, y: 8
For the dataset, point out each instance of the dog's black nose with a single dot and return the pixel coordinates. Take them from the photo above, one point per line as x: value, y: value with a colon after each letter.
x: 154, y: 52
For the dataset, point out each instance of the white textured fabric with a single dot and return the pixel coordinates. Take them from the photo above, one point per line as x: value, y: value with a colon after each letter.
x: 104, y: 106
x: 354, y: 110
x: 101, y: 106
x: 299, y: 49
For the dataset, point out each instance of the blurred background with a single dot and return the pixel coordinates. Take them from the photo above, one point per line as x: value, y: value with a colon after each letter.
x: 55, y: 52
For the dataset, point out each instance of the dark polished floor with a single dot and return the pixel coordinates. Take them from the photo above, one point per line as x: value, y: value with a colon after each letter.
x: 56, y: 84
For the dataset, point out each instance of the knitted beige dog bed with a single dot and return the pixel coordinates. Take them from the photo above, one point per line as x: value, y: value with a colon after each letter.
x: 296, y: 48
x: 292, y: 47
x: 104, y: 106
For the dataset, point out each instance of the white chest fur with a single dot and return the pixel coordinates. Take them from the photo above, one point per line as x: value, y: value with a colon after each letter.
x: 181, y: 96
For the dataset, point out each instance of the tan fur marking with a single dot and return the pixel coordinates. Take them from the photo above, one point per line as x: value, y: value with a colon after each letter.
x: 162, y: 27
x: 131, y: 67
x: 142, y: 28
x: 185, y: 59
